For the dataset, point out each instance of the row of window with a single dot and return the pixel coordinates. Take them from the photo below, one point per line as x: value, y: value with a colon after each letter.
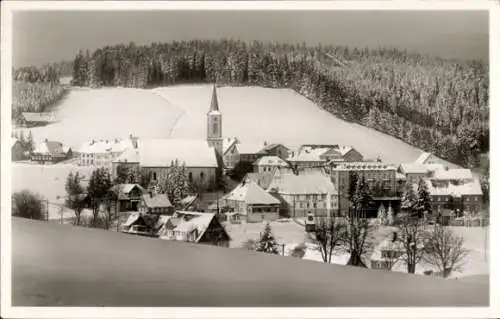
x: 314, y: 197
x: 190, y: 176
x: 41, y: 157
x: 313, y: 205
x: 446, y: 198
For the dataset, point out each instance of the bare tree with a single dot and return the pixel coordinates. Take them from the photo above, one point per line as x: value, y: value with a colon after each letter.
x: 328, y: 237
x: 412, y: 235
x: 358, y: 237
x: 445, y: 250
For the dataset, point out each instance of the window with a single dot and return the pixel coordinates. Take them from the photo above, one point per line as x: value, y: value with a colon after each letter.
x: 190, y: 176
x: 214, y: 128
x: 314, y: 205
x: 476, y: 199
x: 154, y: 176
x: 307, y: 205
x: 202, y: 175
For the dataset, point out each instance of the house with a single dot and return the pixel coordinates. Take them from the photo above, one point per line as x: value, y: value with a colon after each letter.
x: 192, y: 203
x: 263, y: 180
x: 268, y: 164
x: 31, y: 119
x: 278, y: 150
x: 127, y: 196
x: 428, y: 158
x: 231, y: 155
x: 50, y: 152
x: 413, y: 172
x: 195, y: 227
x: 140, y: 224
x: 319, y: 155
x: 157, y: 204
x: 307, y: 192
x: 451, y: 195
x: 379, y: 176
x: 101, y: 153
x: 17, y: 151
x: 252, y: 202
x: 250, y: 152
x: 387, y: 253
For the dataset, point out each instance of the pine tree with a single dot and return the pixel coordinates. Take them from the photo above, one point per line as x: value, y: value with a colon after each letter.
x: 409, y: 198
x: 177, y: 185
x: 98, y: 191
x: 423, y: 203
x: 267, y: 243
x: 75, y: 195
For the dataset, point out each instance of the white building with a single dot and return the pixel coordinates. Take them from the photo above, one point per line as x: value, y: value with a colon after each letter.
x: 101, y: 153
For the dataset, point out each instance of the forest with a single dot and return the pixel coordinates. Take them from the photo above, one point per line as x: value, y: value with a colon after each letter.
x: 438, y: 105
x: 36, y: 89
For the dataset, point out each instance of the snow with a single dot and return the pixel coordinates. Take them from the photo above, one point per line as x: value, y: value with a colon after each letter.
x: 251, y: 114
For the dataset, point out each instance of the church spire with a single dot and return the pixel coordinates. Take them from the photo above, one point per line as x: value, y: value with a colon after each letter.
x: 214, y: 106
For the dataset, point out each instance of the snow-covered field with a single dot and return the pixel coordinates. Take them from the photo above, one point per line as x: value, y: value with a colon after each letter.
x: 252, y: 114
x: 291, y: 234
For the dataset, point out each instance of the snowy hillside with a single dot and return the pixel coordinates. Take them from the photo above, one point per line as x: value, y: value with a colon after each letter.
x: 252, y: 114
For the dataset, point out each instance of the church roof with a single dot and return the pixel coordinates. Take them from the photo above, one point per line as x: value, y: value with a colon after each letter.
x: 161, y: 153
x: 214, y: 105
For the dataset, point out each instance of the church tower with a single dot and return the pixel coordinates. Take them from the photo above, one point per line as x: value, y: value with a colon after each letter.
x: 214, y: 124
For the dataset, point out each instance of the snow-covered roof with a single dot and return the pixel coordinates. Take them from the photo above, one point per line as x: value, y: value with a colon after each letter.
x: 365, y: 166
x: 121, y: 146
x: 251, y: 148
x: 38, y: 117
x: 122, y: 190
x: 456, y: 173
x: 96, y: 147
x: 271, y: 160
x: 400, y: 176
x: 310, y: 182
x: 343, y: 149
x: 132, y: 218
x: 188, y: 200
x: 263, y: 180
x: 251, y: 193
x: 158, y: 200
x: 422, y: 158
x: 227, y: 143
x: 309, y: 154
x: 50, y: 148
x: 456, y: 190
x: 162, y: 152
x: 131, y: 155
x: 198, y: 221
x: 414, y: 168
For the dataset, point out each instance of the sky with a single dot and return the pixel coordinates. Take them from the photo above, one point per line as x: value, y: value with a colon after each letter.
x: 51, y: 36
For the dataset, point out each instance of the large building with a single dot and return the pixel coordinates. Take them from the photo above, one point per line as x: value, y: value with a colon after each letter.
x: 101, y: 153
x: 321, y: 155
x: 307, y: 192
x: 379, y: 176
x: 202, y: 158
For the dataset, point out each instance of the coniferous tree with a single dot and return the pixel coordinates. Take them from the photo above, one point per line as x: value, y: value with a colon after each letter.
x: 75, y: 197
x: 98, y: 191
x: 267, y: 244
x: 423, y: 202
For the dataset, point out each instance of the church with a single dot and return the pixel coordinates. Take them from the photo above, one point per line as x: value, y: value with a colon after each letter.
x: 202, y: 158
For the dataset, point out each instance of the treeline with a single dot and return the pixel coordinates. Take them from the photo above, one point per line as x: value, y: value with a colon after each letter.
x: 36, y: 89
x: 438, y: 105
x: 34, y: 97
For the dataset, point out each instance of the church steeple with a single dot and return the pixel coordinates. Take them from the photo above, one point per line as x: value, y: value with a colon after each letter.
x: 214, y: 106
x: 214, y: 124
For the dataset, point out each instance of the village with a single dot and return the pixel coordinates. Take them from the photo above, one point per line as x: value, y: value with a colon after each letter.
x: 222, y: 192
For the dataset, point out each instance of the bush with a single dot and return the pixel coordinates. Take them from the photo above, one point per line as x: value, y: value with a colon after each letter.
x: 299, y: 251
x: 27, y: 205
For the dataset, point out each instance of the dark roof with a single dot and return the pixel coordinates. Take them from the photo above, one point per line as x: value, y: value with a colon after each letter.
x: 238, y: 278
x: 155, y: 201
x: 271, y: 146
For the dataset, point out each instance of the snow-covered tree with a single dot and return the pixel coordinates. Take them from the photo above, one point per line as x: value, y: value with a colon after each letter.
x: 423, y: 202
x: 381, y: 215
x: 390, y: 215
x: 267, y: 244
x: 75, y: 195
x: 177, y: 185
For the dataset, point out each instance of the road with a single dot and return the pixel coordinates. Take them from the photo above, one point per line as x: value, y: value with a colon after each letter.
x: 64, y: 265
